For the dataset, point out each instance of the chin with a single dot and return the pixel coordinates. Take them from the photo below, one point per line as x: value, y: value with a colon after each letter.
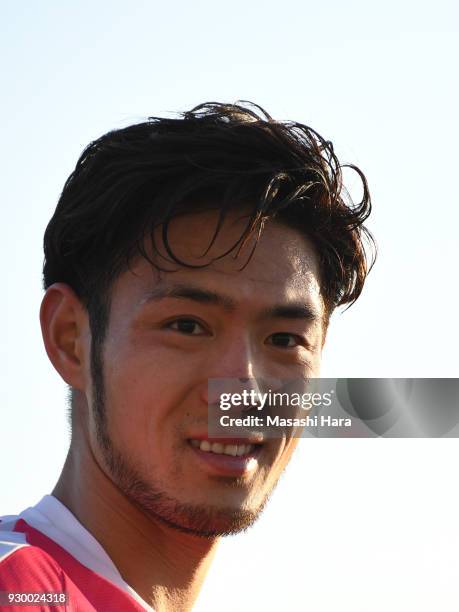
x: 201, y: 518
x: 203, y: 521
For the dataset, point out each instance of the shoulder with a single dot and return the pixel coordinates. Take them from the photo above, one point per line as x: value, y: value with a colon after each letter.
x: 24, y: 566
x: 31, y: 562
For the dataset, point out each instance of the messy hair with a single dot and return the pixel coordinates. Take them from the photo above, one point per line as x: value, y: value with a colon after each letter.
x: 134, y: 180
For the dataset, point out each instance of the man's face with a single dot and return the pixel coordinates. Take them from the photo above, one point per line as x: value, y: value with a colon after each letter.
x: 168, y: 334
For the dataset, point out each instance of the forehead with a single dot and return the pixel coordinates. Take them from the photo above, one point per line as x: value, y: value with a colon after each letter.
x: 283, y: 265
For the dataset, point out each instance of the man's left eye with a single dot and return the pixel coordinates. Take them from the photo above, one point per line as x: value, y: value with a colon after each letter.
x: 187, y: 326
x: 284, y: 340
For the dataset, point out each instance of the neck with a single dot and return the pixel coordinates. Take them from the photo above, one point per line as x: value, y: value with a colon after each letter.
x: 165, y: 566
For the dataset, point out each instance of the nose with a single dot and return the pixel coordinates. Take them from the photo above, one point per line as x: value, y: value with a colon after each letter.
x: 234, y: 369
x: 235, y: 358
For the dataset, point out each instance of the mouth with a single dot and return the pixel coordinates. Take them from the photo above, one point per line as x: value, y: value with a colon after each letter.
x: 227, y: 457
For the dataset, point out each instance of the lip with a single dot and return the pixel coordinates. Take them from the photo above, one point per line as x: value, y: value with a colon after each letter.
x: 250, y: 439
x: 226, y: 465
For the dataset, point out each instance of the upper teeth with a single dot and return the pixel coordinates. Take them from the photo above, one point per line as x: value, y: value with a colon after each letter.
x: 223, y: 449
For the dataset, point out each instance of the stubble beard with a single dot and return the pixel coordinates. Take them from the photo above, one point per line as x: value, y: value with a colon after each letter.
x: 201, y: 520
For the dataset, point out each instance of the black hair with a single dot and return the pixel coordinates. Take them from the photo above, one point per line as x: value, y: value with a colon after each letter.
x: 133, y: 180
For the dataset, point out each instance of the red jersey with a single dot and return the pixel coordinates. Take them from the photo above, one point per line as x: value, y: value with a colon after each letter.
x: 50, y: 562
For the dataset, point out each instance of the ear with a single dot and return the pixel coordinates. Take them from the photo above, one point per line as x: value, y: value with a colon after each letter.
x: 65, y: 329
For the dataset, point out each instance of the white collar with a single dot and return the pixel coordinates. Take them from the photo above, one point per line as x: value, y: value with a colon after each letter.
x: 56, y: 521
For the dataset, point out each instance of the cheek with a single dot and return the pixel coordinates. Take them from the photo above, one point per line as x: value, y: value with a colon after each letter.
x: 285, y: 456
x: 147, y: 394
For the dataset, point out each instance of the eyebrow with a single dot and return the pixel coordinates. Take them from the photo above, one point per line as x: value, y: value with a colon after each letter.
x: 189, y: 292
x: 293, y: 310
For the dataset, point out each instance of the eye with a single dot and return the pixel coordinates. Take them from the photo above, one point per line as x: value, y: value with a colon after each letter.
x: 189, y: 327
x: 284, y: 340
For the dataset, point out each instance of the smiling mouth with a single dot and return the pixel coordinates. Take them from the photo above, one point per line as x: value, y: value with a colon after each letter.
x: 233, y: 449
x: 227, y: 457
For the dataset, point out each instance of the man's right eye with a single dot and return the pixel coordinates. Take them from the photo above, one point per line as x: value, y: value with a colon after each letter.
x: 187, y: 326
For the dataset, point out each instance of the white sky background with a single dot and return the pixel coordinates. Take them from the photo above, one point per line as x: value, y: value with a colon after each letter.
x: 366, y: 525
